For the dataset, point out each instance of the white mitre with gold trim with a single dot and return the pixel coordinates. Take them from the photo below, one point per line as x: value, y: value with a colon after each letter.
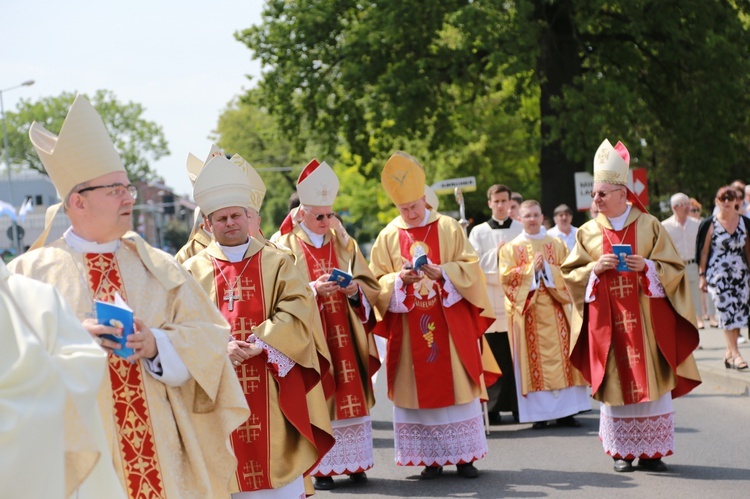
x: 317, y: 184
x: 611, y: 163
x: 257, y: 185
x: 403, y: 178
x: 220, y: 184
x: 194, y: 164
x: 81, y: 152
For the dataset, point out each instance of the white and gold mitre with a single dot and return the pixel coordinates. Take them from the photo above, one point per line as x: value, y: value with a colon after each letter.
x: 611, y: 163
x: 431, y: 198
x: 403, y: 178
x: 258, y: 187
x: 82, y: 151
x: 194, y: 164
x: 220, y: 184
x: 317, y: 185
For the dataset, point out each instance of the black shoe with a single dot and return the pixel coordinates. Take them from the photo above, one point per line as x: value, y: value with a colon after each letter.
x: 494, y: 417
x: 539, y: 425
x: 431, y: 472
x: 467, y: 470
x: 360, y: 477
x: 623, y: 465
x: 569, y: 421
x: 323, y: 483
x: 515, y: 416
x: 652, y: 464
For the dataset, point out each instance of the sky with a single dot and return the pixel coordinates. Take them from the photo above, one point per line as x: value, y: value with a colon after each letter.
x: 178, y: 58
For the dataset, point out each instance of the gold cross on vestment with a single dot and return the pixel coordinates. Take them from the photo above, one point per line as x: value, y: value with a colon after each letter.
x: 340, y: 336
x: 252, y: 472
x: 332, y: 304
x: 231, y: 294
x: 249, y: 380
x: 241, y: 324
x: 322, y: 266
x: 246, y: 288
x: 635, y: 389
x: 249, y: 431
x: 352, y: 403
x: 346, y: 373
x: 634, y: 358
x: 623, y: 287
x: 626, y: 323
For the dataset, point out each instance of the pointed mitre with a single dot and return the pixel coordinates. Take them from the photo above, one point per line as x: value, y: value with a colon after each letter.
x: 403, y: 178
x: 431, y: 198
x: 82, y: 151
x: 220, y: 184
x: 257, y: 186
x: 317, y: 185
x: 611, y: 163
x: 195, y: 164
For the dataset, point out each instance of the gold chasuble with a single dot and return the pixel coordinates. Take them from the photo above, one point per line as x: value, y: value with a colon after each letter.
x: 165, y: 442
x: 539, y: 319
x: 265, y: 301
x: 195, y: 245
x: 347, y: 328
x: 630, y: 346
x: 434, y: 355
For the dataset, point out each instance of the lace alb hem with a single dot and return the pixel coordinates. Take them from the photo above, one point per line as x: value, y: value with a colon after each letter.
x: 396, y: 305
x: 418, y: 444
x: 647, y: 437
x: 655, y: 289
x: 352, y: 452
x: 451, y: 296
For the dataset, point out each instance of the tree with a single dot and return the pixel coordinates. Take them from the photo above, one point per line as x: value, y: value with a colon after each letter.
x: 666, y: 78
x: 138, y: 140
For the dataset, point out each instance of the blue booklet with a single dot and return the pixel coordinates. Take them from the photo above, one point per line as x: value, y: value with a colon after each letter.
x: 419, y: 261
x: 340, y: 277
x: 622, y: 250
x: 116, y: 315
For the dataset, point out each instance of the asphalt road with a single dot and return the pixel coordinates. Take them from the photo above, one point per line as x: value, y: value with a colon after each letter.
x: 712, y: 456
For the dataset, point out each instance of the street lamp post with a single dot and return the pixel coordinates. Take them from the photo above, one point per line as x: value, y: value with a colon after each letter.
x: 14, y: 232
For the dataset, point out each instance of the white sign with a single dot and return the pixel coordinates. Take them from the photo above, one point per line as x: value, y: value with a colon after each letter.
x: 584, y: 185
x: 466, y: 184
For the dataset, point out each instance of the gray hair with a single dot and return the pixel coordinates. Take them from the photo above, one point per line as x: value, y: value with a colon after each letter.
x: 678, y: 199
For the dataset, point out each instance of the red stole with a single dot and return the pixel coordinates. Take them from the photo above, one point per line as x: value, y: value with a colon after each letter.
x: 349, y: 393
x: 617, y: 312
x: 132, y: 418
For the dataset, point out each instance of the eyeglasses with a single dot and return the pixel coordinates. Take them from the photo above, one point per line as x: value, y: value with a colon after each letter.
x: 603, y: 194
x: 117, y: 190
x: 695, y: 210
x: 727, y: 196
x: 320, y: 217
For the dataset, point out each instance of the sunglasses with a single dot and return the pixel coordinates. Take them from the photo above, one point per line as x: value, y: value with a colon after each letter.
x: 603, y: 194
x: 695, y: 210
x: 727, y: 196
x: 320, y: 217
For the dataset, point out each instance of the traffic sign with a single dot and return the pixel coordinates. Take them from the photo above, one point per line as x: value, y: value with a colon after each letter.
x: 20, y: 230
x: 466, y: 184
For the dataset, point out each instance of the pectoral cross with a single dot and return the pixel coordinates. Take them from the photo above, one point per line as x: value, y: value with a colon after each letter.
x: 252, y: 472
x: 230, y: 295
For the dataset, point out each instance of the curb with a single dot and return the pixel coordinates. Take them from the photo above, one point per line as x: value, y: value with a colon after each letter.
x: 725, y: 380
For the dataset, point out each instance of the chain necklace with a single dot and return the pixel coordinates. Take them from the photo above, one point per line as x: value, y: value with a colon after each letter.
x: 613, y: 230
x: 232, y: 291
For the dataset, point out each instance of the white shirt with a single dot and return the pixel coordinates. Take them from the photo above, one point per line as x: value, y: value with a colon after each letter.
x: 569, y: 239
x: 683, y: 236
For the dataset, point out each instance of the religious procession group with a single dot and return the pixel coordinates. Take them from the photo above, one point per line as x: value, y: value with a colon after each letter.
x: 252, y: 361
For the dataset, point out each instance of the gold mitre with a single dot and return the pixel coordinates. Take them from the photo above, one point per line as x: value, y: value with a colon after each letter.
x: 82, y: 151
x: 611, y: 163
x: 403, y: 178
x: 220, y: 184
x: 194, y: 164
x: 317, y: 184
x: 258, y: 187
x: 431, y: 198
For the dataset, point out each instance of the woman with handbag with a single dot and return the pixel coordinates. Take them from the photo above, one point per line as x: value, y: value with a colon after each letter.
x: 722, y: 244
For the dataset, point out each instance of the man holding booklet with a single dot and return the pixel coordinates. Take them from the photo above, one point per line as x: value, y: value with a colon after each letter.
x: 166, y: 406
x: 345, y: 290
x: 633, y: 327
x: 434, y: 318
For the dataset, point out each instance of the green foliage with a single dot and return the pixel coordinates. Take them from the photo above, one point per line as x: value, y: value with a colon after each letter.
x: 520, y: 92
x: 175, y: 234
x: 138, y: 140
